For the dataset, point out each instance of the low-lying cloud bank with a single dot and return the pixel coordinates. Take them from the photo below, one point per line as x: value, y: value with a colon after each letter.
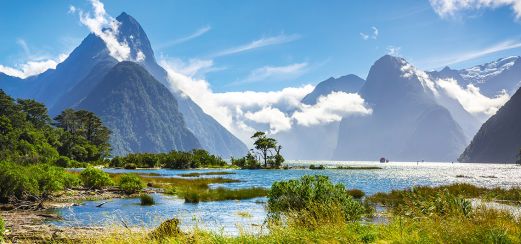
x: 247, y: 111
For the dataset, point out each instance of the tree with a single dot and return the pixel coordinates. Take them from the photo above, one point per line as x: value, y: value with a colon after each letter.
x: 264, y: 145
x: 36, y: 112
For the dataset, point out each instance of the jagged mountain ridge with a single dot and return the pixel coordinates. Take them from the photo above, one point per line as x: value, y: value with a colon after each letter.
x: 74, y: 79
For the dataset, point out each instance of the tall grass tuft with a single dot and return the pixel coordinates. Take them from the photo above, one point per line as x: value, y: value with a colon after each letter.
x: 147, y: 200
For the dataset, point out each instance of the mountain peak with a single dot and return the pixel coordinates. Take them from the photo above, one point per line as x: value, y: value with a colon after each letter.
x: 131, y: 32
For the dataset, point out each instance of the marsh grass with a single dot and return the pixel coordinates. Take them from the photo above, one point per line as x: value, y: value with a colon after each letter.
x: 147, y: 200
x: 196, y: 174
x: 195, y: 195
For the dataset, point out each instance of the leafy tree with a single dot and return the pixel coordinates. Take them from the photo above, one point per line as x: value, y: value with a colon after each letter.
x: 36, y: 112
x: 264, y: 144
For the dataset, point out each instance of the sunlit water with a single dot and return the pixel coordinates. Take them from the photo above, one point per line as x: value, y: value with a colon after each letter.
x: 228, y: 216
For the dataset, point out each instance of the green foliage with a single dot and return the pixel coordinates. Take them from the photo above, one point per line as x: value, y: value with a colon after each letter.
x: 196, y: 158
x: 95, y: 178
x: 34, y: 181
x: 63, y: 161
x: 314, y: 195
x: 28, y: 137
x: 147, y: 200
x: 356, y: 193
x: 130, y: 183
x: 247, y: 162
x: 312, y: 166
x: 2, y: 229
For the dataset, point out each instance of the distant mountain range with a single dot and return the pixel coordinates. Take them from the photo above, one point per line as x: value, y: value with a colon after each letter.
x: 78, y: 78
x: 412, y: 118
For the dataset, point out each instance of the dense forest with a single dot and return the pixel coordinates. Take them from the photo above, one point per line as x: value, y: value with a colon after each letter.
x: 28, y: 135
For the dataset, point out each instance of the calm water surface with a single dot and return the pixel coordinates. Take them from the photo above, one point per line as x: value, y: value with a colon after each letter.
x: 228, y: 216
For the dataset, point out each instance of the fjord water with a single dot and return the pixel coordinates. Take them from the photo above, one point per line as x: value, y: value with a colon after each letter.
x: 228, y: 216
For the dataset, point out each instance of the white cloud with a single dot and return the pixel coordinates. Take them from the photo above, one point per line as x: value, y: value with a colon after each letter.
x: 393, y: 50
x: 263, y: 42
x: 471, y: 99
x: 373, y: 35
x: 450, y: 8
x: 274, y: 72
x: 201, y: 31
x: 72, y: 9
x: 106, y: 27
x: 35, y: 64
x: 277, y: 120
x: 331, y: 108
x: 471, y: 55
x: 243, y: 112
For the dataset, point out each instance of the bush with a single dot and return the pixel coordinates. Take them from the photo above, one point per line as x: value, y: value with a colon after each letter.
x: 147, y: 200
x: 95, y: 178
x: 130, y: 183
x: 314, y: 197
x: 63, y: 161
x: 169, y: 228
x: 34, y: 181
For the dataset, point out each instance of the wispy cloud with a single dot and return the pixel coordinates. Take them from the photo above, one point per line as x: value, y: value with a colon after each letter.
x: 33, y: 64
x: 201, y: 31
x: 373, y: 35
x: 433, y: 63
x: 274, y: 73
x: 263, y: 42
x: 451, y: 8
x: 393, y: 50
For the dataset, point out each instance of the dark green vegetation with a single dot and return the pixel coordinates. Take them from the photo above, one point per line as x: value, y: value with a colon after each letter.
x: 29, y: 136
x: 497, y: 141
x: 196, y: 174
x: 147, y: 200
x: 196, y: 158
x: 2, y: 229
x: 312, y: 166
x: 266, y: 151
x: 95, y: 178
x: 130, y: 183
x: 311, y: 200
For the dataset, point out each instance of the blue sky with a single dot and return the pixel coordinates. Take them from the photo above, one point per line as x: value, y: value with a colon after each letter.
x: 269, y: 45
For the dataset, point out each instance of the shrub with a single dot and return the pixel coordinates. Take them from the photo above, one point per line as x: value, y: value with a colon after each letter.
x: 314, y: 196
x: 63, y: 161
x: 130, y: 183
x: 34, y: 181
x: 130, y: 166
x: 169, y: 228
x: 147, y: 200
x: 95, y: 178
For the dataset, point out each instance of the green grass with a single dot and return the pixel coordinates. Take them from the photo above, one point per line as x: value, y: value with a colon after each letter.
x: 196, y: 174
x: 195, y: 195
x: 147, y: 200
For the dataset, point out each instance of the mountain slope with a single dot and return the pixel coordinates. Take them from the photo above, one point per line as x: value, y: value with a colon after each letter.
x: 141, y: 113
x: 499, y: 139
x: 407, y: 123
